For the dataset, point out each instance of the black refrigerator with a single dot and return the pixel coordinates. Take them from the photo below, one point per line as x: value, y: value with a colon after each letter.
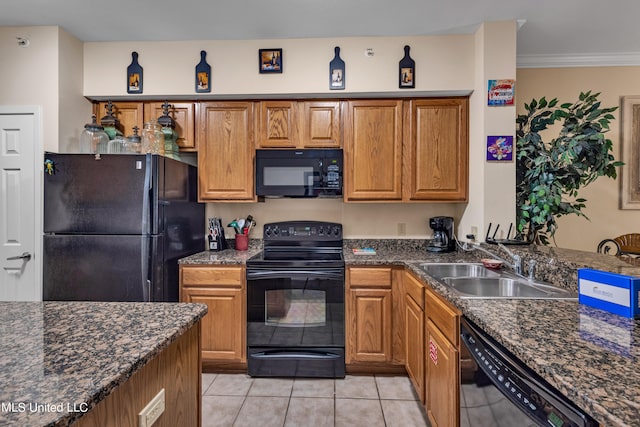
x: 115, y: 226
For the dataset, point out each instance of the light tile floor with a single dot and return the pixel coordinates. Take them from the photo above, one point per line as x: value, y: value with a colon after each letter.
x: 234, y: 400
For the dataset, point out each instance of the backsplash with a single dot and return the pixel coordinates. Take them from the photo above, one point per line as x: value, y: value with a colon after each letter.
x: 359, y: 220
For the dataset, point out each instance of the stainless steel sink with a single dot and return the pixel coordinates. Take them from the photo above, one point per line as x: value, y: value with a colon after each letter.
x: 442, y: 270
x: 504, y: 287
x: 472, y: 280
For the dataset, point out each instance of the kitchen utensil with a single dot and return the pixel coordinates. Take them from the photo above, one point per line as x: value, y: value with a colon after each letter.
x: 235, y: 226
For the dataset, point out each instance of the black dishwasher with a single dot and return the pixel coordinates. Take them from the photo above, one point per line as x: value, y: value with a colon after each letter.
x: 525, y: 389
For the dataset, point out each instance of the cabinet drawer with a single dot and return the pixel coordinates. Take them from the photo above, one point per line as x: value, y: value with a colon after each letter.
x: 203, y: 276
x: 415, y: 288
x: 444, y: 316
x: 370, y: 277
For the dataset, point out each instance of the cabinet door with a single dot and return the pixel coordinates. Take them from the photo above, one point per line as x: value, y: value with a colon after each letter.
x: 414, y: 344
x: 437, y: 150
x: 226, y: 151
x: 370, y: 325
x: 183, y: 113
x: 442, y: 380
x: 278, y: 124
x: 129, y: 114
x: 373, y: 150
x: 222, y: 333
x: 223, y: 290
x: 321, y: 124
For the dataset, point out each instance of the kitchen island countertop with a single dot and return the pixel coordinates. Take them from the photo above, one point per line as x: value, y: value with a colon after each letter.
x: 589, y: 355
x: 59, y: 359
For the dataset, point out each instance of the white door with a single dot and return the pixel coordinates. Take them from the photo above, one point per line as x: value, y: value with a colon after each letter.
x: 20, y: 223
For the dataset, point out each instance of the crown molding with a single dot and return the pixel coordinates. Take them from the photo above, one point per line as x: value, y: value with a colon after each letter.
x: 579, y: 60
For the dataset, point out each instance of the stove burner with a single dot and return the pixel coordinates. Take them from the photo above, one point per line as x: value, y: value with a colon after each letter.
x: 300, y: 244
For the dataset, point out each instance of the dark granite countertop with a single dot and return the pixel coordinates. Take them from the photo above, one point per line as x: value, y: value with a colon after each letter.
x: 59, y: 359
x: 590, y: 355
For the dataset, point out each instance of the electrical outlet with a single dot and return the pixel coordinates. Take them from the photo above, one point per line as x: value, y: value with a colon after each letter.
x: 152, y: 411
x: 368, y: 52
x: 474, y: 230
x: 402, y: 229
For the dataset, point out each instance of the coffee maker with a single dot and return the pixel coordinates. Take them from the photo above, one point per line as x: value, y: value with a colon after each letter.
x: 443, y: 240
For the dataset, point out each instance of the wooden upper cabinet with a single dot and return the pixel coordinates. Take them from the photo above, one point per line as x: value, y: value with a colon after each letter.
x: 129, y: 114
x: 299, y: 124
x: 436, y: 150
x: 183, y: 113
x: 226, y: 151
x: 321, y: 124
x: 278, y: 124
x: 373, y: 150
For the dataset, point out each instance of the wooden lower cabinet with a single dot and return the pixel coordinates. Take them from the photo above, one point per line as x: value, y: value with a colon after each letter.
x: 442, y: 361
x: 223, y: 290
x: 368, y: 314
x: 414, y: 324
x: 414, y: 344
x: 442, y: 391
x: 176, y: 370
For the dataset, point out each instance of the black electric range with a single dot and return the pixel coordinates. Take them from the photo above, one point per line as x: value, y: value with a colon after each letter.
x: 295, y: 302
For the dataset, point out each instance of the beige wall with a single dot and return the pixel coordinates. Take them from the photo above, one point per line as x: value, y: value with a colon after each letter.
x: 606, y: 219
x: 46, y: 73
x: 451, y: 64
x: 491, y: 184
x: 74, y: 109
x: 360, y: 220
x: 443, y: 63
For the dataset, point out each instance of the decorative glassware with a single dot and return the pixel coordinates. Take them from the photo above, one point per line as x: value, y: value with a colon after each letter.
x: 152, y: 138
x: 93, y: 136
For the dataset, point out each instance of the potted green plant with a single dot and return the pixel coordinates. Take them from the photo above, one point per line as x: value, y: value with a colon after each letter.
x: 550, y: 173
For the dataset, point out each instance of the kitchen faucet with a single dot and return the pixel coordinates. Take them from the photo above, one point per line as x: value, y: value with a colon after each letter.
x: 516, y: 259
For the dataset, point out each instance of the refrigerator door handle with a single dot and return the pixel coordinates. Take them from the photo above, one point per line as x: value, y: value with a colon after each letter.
x: 26, y: 256
x: 146, y: 291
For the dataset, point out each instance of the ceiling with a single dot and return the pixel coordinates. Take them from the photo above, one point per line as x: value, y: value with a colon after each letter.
x: 587, y: 32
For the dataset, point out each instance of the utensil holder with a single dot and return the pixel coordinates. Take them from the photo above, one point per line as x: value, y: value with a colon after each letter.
x: 242, y: 242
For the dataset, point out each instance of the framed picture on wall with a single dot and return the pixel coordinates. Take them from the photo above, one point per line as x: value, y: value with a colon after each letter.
x: 500, y: 148
x: 630, y: 171
x: 336, y: 71
x: 270, y: 61
x: 407, y: 71
x: 500, y: 92
x: 134, y: 75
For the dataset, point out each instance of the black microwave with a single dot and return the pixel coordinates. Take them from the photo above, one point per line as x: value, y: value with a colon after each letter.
x: 299, y: 173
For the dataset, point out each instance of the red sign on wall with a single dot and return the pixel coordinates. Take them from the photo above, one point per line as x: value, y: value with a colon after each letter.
x: 433, y: 352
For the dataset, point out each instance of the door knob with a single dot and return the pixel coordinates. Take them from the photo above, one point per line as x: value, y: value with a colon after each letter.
x: 25, y: 256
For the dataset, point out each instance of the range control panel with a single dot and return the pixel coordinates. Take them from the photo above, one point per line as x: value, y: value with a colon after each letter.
x: 299, y: 231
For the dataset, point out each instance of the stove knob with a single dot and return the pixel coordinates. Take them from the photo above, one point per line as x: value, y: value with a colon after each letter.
x: 335, y: 230
x: 267, y: 232
x: 276, y: 230
x: 321, y: 231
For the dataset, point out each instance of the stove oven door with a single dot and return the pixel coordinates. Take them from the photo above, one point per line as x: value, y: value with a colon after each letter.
x: 295, y: 322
